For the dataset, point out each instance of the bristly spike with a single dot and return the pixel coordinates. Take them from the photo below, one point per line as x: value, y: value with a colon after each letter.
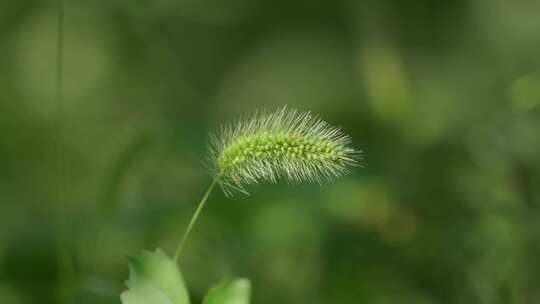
x: 289, y: 144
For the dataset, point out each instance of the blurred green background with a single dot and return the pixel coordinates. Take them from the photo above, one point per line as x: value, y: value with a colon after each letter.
x: 442, y: 96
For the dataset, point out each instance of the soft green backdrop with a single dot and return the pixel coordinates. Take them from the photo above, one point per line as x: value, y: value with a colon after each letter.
x: 442, y: 96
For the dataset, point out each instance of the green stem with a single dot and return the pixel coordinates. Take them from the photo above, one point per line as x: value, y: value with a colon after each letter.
x: 60, y: 109
x: 65, y: 265
x: 194, y: 219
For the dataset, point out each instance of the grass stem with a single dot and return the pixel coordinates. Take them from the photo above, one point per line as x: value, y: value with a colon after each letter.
x: 193, y: 220
x: 65, y: 266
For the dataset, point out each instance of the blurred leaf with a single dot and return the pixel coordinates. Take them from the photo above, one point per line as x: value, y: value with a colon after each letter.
x: 236, y: 291
x: 154, y: 279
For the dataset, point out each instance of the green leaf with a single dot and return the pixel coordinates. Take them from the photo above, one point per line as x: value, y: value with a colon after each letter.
x: 236, y: 291
x: 154, y: 278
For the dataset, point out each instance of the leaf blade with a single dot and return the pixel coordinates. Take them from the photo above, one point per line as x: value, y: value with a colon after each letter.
x: 237, y: 291
x: 154, y: 279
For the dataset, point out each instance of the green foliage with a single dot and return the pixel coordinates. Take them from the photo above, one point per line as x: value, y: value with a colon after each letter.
x: 236, y: 291
x: 155, y: 279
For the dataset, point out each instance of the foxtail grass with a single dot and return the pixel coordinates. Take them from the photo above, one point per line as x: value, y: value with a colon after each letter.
x: 271, y: 146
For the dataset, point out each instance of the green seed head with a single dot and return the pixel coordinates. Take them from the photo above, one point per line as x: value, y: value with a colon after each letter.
x: 283, y: 144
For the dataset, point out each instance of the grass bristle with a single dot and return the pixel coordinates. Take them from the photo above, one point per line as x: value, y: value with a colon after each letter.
x: 288, y: 144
